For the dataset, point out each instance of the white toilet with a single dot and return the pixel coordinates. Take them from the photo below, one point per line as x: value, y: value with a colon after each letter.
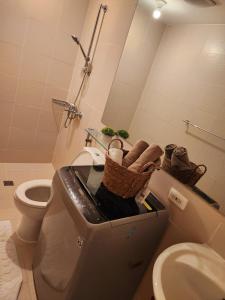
x: 32, y: 198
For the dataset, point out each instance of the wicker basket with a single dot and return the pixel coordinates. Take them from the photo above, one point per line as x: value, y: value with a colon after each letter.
x: 189, y: 177
x: 121, y: 181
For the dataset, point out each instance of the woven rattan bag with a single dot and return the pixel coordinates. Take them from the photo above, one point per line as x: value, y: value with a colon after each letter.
x: 189, y: 177
x: 121, y: 181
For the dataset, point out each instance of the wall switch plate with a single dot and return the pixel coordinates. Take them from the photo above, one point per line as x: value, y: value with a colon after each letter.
x: 178, y: 199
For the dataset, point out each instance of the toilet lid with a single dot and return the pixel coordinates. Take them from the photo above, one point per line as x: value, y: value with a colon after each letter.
x: 20, y: 192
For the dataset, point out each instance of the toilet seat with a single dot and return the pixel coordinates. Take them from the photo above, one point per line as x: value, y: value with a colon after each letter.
x: 20, y: 192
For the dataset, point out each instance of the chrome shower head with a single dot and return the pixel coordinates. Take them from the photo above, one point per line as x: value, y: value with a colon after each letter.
x: 76, y: 40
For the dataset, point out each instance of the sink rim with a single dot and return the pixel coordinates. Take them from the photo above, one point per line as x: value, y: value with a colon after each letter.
x: 157, y: 269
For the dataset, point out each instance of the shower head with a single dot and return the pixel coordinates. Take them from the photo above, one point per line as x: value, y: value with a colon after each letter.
x: 76, y: 40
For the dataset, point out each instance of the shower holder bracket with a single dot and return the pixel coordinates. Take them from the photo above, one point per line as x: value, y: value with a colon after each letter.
x: 87, y: 69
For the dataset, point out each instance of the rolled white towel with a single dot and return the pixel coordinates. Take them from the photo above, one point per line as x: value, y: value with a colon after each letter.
x: 116, y: 155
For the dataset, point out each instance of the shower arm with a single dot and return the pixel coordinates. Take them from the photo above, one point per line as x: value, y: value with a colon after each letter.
x: 76, y: 40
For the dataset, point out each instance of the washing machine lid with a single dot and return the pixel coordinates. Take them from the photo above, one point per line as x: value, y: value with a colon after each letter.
x: 95, y: 202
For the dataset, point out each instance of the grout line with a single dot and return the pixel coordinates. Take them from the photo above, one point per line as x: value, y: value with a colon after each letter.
x: 18, y: 80
x: 214, y: 233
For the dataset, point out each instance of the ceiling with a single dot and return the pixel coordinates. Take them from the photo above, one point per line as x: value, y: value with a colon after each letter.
x: 191, y: 12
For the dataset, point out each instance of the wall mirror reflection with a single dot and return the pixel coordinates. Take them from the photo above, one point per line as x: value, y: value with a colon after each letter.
x: 172, y: 76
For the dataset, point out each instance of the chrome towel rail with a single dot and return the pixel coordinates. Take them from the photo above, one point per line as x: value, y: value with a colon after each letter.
x: 188, y: 123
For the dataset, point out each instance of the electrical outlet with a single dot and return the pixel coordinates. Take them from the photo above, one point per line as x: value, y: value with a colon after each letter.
x: 178, y: 199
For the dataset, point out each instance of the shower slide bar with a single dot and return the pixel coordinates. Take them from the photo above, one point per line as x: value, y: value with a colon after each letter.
x: 188, y: 124
x: 71, y: 108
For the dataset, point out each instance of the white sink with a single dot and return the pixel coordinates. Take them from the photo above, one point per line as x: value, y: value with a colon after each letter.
x: 189, y: 271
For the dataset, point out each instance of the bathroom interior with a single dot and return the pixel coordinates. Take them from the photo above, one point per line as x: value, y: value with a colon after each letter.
x: 85, y: 217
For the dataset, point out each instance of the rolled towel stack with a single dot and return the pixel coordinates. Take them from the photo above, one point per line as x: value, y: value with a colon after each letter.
x: 169, y: 150
x: 138, y: 148
x: 150, y: 155
x: 180, y: 159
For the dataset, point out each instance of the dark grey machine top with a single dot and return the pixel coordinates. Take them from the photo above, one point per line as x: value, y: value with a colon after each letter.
x: 84, y: 186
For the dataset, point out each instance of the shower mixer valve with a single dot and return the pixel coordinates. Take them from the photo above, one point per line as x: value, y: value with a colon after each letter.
x: 87, y: 69
x: 71, y: 109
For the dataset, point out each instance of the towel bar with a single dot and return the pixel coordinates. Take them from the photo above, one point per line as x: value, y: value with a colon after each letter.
x: 188, y: 123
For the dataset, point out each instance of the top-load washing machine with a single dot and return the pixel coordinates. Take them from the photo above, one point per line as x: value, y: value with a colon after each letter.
x: 85, y: 252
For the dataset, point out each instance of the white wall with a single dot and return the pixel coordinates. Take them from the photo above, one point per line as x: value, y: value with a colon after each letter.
x: 138, y: 55
x: 186, y: 81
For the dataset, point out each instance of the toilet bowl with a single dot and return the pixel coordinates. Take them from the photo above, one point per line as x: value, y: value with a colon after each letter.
x: 32, y: 199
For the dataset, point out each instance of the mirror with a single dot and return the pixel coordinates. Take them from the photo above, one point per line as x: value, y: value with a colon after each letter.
x: 173, y: 69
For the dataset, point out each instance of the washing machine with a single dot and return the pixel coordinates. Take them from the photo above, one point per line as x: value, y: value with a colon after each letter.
x: 86, y: 253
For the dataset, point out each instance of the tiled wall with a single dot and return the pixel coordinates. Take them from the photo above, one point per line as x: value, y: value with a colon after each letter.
x: 114, y: 32
x: 36, y: 63
x: 138, y: 55
x: 187, y: 82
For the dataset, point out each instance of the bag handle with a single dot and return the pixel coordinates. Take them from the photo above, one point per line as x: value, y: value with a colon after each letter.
x: 150, y: 166
x: 113, y: 140
x: 204, y: 169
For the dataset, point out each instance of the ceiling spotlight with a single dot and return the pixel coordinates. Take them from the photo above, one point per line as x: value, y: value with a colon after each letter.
x: 157, y: 11
x: 156, y: 14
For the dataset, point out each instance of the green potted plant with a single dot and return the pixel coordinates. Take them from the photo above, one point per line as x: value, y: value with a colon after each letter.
x: 123, y: 134
x: 107, y: 134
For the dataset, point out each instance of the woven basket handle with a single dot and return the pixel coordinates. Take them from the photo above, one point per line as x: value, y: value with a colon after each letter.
x: 119, y: 140
x: 147, y: 166
x: 201, y: 166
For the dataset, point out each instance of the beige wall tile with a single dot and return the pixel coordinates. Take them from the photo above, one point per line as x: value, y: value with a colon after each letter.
x: 4, y: 137
x: 27, y: 155
x: 13, y: 22
x: 46, y: 140
x: 6, y: 114
x: 25, y: 118
x: 65, y: 49
x: 40, y: 38
x: 60, y: 74
x: 34, y: 66
x: 21, y: 139
x: 47, y: 12
x: 8, y: 85
x: 47, y: 123
x: 53, y: 92
x: 29, y: 32
x: 68, y: 23
x: 217, y: 240
x: 30, y: 93
x: 10, y: 57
